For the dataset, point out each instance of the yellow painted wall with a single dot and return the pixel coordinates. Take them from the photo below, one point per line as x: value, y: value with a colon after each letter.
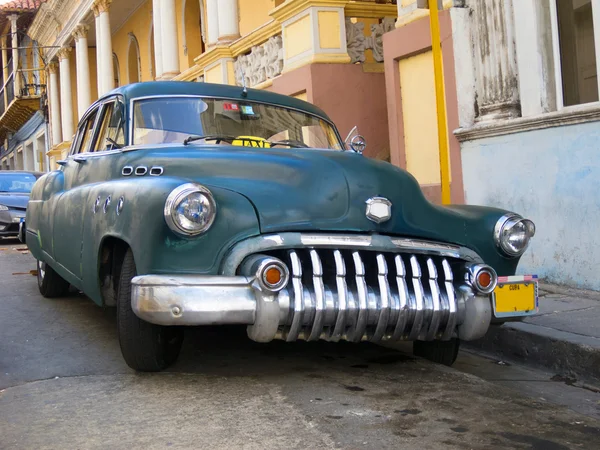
x: 183, y: 61
x: 73, y: 67
x: 253, y: 14
x: 139, y: 24
x: 329, y: 29
x: 214, y: 74
x: 193, y: 35
x: 297, y: 37
x: 93, y: 74
x: 419, y: 116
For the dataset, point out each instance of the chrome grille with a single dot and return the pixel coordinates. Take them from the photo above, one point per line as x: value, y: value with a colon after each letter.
x: 355, y: 295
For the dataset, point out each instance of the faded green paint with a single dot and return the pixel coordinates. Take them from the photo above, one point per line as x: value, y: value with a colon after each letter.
x: 256, y: 191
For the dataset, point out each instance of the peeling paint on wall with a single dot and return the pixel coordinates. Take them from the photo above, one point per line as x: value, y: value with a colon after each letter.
x: 552, y: 177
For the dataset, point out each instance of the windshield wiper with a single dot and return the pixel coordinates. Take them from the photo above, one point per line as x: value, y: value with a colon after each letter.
x: 218, y: 138
x: 209, y: 137
x: 289, y: 143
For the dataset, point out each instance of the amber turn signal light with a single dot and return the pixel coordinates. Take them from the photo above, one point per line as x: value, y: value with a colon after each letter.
x: 484, y: 279
x: 272, y: 276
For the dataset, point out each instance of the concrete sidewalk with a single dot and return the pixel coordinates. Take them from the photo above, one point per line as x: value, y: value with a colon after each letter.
x: 563, y: 338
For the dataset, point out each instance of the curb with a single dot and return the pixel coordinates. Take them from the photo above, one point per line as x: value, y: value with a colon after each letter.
x: 567, y: 354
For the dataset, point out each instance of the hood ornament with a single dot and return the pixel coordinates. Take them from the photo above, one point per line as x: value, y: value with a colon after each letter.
x: 379, y: 209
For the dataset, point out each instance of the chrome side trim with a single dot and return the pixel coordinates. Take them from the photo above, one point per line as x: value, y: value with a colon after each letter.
x: 126, y: 171
x: 381, y: 243
x: 140, y: 171
x: 156, y: 171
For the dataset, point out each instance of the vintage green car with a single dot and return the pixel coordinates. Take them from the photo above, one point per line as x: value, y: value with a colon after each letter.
x: 187, y: 204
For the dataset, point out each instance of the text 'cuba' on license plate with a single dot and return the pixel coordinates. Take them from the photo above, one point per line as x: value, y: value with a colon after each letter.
x: 516, y: 296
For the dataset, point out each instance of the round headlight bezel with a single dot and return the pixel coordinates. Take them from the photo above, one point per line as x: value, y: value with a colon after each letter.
x: 509, y: 221
x: 178, y: 195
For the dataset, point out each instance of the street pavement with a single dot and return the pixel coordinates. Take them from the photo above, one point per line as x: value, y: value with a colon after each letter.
x: 63, y: 384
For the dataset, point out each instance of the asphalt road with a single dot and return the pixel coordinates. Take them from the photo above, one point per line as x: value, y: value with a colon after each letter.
x: 63, y: 385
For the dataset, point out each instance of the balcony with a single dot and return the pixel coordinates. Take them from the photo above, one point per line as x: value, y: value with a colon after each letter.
x: 20, y: 98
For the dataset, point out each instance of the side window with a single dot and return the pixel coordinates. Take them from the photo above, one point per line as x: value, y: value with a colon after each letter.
x: 87, y: 133
x: 110, y: 130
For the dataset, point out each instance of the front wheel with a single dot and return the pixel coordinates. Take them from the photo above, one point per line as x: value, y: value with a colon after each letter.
x: 145, y: 347
x: 50, y: 283
x: 441, y: 352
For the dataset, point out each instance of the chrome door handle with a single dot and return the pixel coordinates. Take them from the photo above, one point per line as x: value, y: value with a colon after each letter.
x: 79, y: 159
x: 62, y: 162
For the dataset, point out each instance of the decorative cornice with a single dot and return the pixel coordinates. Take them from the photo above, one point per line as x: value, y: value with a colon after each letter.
x: 289, y: 9
x: 63, y: 53
x: 368, y: 10
x: 568, y: 116
x: 80, y: 31
x: 213, y: 55
x: 101, y: 6
x: 190, y: 74
x: 52, y: 67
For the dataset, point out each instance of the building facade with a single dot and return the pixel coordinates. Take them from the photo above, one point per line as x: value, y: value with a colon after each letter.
x: 520, y: 79
x: 23, y: 143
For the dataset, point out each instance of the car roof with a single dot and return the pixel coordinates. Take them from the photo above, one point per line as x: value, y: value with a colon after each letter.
x: 30, y: 172
x: 152, y: 88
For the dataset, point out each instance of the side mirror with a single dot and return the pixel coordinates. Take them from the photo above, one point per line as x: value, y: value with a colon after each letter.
x: 355, y: 142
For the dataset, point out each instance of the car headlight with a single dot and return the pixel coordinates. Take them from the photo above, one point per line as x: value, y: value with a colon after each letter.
x: 190, y: 209
x: 3, y: 208
x: 513, y: 233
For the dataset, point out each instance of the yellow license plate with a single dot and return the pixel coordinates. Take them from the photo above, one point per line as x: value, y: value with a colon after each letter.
x: 515, y: 299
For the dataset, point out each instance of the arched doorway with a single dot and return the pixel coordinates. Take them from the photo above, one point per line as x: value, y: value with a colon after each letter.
x: 134, y: 68
x: 192, y: 30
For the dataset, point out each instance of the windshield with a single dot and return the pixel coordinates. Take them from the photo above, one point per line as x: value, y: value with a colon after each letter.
x: 16, y: 182
x: 173, y: 119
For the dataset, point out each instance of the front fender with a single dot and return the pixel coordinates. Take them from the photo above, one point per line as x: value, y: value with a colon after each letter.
x: 142, y: 226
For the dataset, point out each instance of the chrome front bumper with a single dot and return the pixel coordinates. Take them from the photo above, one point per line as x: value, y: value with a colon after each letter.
x: 349, y: 294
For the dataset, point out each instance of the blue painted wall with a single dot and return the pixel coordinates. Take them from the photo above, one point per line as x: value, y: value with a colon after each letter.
x: 551, y: 176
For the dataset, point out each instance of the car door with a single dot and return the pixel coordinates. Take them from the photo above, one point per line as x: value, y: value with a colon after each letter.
x: 71, y: 204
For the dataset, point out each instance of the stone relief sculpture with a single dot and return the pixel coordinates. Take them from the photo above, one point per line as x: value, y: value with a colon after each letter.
x: 264, y: 62
x: 357, y: 43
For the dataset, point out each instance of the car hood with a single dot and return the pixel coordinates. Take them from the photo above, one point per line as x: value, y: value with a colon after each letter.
x: 318, y: 190
x: 14, y: 200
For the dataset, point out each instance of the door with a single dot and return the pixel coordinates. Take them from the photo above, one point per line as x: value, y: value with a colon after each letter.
x: 70, y: 205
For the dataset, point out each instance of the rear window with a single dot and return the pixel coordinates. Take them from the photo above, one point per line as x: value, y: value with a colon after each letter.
x: 17, y: 182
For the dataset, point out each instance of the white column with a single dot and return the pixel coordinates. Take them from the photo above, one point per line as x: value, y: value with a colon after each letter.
x: 168, y: 31
x: 84, y: 94
x: 229, y: 27
x: 212, y: 17
x: 103, y: 36
x: 98, y: 54
x: 537, y: 89
x: 15, y: 50
x: 495, y: 60
x: 66, y: 107
x: 158, y: 65
x: 55, y: 124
